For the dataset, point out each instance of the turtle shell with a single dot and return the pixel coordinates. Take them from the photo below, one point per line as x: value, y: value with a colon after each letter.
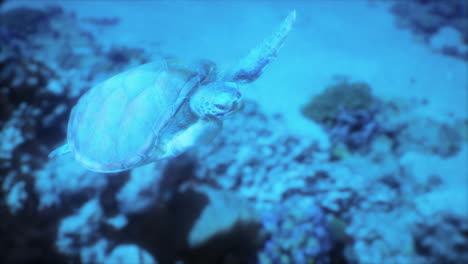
x: 116, y: 125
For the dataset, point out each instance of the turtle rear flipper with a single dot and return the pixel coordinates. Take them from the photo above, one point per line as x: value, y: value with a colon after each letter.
x: 62, y: 150
x: 251, y: 67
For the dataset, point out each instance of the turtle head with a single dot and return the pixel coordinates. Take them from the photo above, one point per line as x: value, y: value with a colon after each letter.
x: 216, y: 99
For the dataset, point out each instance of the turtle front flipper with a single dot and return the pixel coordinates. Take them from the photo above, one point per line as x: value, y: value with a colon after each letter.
x: 62, y: 150
x: 251, y: 67
x: 200, y: 133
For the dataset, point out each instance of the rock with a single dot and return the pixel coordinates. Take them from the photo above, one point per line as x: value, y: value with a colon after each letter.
x: 447, y: 38
x: 16, y: 196
x: 443, y: 25
x: 79, y: 230
x: 436, y: 228
x: 429, y: 135
x: 62, y: 178
x: 141, y: 190
x: 129, y: 253
x: 223, y: 213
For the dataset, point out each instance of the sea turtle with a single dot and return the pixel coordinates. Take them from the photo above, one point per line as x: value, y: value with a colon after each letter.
x: 160, y: 109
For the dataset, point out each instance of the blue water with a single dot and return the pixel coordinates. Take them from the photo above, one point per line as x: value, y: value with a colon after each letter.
x: 337, y: 134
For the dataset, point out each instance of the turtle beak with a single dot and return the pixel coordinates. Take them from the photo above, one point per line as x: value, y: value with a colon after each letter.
x: 241, y: 105
x: 233, y: 107
x: 237, y: 106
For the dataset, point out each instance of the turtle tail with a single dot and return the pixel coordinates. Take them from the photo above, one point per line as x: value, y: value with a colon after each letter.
x: 62, y: 150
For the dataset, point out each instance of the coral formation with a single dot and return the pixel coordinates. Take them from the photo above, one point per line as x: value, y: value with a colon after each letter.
x: 439, y: 138
x: 39, y: 85
x: 442, y: 24
x: 350, y: 114
x: 428, y: 236
x: 32, y: 21
x: 341, y: 96
x: 353, y: 118
x: 299, y: 236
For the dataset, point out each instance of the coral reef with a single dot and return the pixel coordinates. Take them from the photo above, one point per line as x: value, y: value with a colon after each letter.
x: 418, y: 204
x: 353, y: 118
x: 341, y: 96
x: 299, y: 236
x: 270, y: 171
x: 428, y: 236
x: 439, y: 138
x: 256, y: 194
x: 359, y: 192
x: 42, y: 50
x: 350, y: 114
x: 32, y: 21
x: 184, y: 225
x: 442, y: 24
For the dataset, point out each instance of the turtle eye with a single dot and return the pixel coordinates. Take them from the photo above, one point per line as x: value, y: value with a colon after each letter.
x: 220, y: 107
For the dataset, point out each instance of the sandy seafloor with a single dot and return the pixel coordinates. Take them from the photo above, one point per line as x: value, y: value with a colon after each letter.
x: 280, y: 166
x: 354, y: 38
